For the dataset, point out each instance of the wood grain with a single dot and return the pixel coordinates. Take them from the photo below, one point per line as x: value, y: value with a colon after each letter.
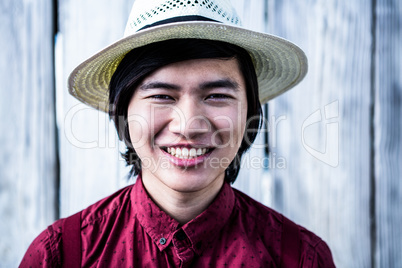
x: 91, y: 167
x: 388, y: 133
x: 326, y: 170
x: 325, y: 136
x: 28, y: 165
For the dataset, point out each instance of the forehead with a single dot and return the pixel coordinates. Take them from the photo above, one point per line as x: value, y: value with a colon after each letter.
x: 199, y: 69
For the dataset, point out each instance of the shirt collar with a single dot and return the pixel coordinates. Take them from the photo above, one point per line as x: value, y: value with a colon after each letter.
x: 201, y: 231
x: 205, y: 228
x: 155, y: 222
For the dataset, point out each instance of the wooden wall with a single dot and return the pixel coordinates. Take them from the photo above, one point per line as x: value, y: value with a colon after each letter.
x: 90, y: 165
x: 28, y: 151
x: 335, y: 140
x: 387, y: 132
x: 326, y: 134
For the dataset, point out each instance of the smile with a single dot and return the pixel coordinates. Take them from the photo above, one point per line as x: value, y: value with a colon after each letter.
x: 186, y: 153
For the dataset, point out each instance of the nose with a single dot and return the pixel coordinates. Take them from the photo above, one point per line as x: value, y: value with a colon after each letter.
x: 189, y: 119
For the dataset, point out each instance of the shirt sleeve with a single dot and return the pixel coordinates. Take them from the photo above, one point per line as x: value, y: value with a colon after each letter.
x: 44, y: 251
x: 318, y: 256
x: 323, y: 256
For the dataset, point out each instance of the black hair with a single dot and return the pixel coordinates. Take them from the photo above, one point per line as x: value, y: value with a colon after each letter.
x: 141, y: 62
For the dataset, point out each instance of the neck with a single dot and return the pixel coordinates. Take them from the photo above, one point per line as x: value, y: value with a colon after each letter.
x: 182, y: 206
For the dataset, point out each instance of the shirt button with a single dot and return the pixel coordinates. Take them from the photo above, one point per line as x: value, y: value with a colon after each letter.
x: 162, y: 241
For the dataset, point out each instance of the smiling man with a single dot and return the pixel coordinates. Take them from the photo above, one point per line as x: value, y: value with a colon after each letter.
x: 184, y: 93
x: 205, y: 92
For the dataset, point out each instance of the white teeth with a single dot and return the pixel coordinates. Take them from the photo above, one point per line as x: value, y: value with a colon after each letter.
x: 178, y: 153
x: 186, y: 153
x: 199, y: 151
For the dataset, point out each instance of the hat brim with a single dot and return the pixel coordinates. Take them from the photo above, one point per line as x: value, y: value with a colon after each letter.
x: 279, y: 64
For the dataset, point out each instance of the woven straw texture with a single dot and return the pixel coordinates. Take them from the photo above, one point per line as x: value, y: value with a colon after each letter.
x: 148, y: 12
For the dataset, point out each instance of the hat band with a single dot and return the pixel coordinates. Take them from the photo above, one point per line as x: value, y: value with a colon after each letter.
x: 178, y: 19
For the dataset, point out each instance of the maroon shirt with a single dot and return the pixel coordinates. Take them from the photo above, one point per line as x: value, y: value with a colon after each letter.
x: 128, y: 229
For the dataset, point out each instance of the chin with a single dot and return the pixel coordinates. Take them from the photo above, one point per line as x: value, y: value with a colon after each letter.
x: 187, y: 181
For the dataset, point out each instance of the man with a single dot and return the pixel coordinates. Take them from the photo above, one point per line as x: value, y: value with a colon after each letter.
x: 184, y: 88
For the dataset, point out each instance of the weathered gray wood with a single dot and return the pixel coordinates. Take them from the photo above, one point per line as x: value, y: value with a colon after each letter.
x: 90, y: 165
x: 325, y: 134
x: 388, y: 133
x: 28, y: 164
x: 327, y: 193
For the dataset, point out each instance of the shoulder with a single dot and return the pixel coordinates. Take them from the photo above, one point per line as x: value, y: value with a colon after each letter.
x: 45, y: 250
x: 107, y: 206
x: 258, y: 214
x: 314, y: 251
x: 266, y: 220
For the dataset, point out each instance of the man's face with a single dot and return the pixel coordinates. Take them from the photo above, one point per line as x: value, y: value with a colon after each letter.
x: 187, y: 121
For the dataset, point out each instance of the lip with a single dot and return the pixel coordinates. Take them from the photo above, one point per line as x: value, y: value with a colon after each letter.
x: 186, y: 162
x: 186, y: 145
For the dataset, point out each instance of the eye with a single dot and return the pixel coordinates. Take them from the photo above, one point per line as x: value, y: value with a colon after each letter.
x: 218, y: 96
x: 161, y: 97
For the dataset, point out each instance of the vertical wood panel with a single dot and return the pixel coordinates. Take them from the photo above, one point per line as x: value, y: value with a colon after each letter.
x: 388, y: 133
x: 91, y: 167
x: 28, y: 163
x: 330, y: 196
x: 325, y: 134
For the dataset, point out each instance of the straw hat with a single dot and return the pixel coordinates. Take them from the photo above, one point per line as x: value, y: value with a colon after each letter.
x: 279, y: 64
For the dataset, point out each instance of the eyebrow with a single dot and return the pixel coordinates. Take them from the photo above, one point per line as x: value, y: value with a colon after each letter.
x: 155, y: 85
x: 221, y: 83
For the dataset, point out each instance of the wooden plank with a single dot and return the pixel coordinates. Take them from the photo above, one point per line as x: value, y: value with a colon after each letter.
x: 91, y: 167
x: 28, y: 165
x: 324, y: 136
x: 388, y: 133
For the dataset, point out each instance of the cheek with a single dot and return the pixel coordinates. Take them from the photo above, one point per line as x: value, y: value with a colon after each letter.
x: 230, y: 126
x: 144, y: 124
x: 241, y: 123
x: 241, y: 118
x: 138, y: 124
x: 138, y: 128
